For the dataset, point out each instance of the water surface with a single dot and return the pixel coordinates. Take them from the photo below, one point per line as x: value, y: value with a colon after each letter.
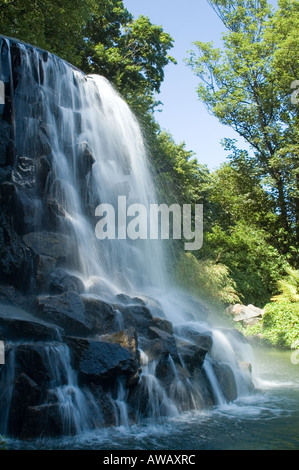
x: 267, y: 419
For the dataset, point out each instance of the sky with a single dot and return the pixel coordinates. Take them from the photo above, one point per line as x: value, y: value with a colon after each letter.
x: 183, y: 115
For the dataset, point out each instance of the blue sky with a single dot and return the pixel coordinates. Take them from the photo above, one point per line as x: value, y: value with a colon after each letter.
x: 183, y: 115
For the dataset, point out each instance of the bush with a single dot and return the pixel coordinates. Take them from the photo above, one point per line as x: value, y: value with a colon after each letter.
x: 206, y: 280
x: 280, y: 324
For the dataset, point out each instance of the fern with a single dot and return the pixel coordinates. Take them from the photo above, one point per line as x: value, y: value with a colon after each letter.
x: 288, y: 287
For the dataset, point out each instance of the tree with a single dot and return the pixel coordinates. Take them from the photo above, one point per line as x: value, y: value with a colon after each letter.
x: 247, y: 87
x: 131, y: 53
x: 97, y: 36
x: 54, y: 25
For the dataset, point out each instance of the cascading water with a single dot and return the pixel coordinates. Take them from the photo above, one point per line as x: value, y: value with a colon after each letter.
x: 91, y: 152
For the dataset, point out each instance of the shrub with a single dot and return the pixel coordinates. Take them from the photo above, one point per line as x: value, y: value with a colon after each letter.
x: 280, y: 324
x: 207, y: 280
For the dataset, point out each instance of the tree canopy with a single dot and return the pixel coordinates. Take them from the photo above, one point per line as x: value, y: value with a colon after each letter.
x: 247, y: 86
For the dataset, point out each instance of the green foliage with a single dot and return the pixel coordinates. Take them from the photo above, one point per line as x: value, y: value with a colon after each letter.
x: 55, y: 25
x: 131, y: 53
x: 181, y: 178
x: 98, y: 36
x: 280, y: 324
x: 246, y: 85
x: 254, y: 264
x: 206, y: 280
x: 289, y: 287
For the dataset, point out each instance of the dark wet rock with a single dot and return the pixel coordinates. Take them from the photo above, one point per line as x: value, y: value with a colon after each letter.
x: 10, y: 295
x: 6, y: 143
x: 25, y: 393
x: 147, y: 399
x: 138, y: 317
x: 106, y: 404
x: 203, y: 340
x: 100, y: 362
x: 16, y: 261
x: 165, y: 371
x: 166, y: 340
x: 192, y: 355
x: 44, y: 265
x: 23, y: 174
x: 61, y: 281
x: 43, y: 421
x: 226, y: 380
x: 17, y: 324
x: 99, y: 314
x: 42, y: 170
x: 55, y: 245
x: 41, y: 363
x: 66, y: 310
x: 85, y: 159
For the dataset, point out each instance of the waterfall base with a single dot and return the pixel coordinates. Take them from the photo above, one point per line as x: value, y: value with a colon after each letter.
x: 58, y: 381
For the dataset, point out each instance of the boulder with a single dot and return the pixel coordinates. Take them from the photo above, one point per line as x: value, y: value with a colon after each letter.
x: 203, y: 339
x: 10, y: 295
x: 18, y: 324
x: 192, y: 355
x: 61, y: 281
x: 105, y: 403
x: 66, y: 310
x: 42, y: 363
x: 100, y: 314
x: 164, y: 371
x: 166, y: 339
x: 156, y: 343
x: 136, y: 316
x: 226, y: 380
x: 43, y: 421
x: 7, y: 146
x: 25, y: 393
x: 42, y: 170
x: 247, y: 315
x: 100, y: 362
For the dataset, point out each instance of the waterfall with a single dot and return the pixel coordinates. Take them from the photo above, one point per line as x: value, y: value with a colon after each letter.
x: 77, y: 147
x: 6, y: 391
x: 79, y: 411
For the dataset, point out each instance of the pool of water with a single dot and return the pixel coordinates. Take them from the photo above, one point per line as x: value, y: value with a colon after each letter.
x: 268, y: 419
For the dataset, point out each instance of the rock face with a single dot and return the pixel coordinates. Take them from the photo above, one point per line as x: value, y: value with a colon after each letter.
x: 78, y: 353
